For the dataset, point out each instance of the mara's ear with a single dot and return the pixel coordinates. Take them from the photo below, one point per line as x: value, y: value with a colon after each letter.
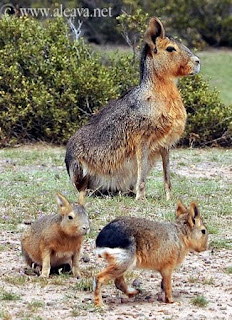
x: 193, y: 214
x: 155, y: 29
x: 180, y: 208
x: 62, y: 203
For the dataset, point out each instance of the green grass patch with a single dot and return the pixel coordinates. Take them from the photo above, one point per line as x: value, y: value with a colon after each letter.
x: 213, y: 229
x: 35, y: 305
x: 8, y: 295
x: 221, y: 244
x: 228, y: 270
x: 84, y: 309
x: 208, y: 281
x: 84, y: 285
x: 59, y: 279
x: 16, y: 280
x: 192, y: 279
x: 215, y: 65
x: 200, y: 301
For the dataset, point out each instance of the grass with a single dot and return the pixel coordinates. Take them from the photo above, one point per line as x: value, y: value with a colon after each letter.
x: 89, y: 307
x: 16, y: 280
x: 192, y: 279
x: 8, y: 296
x: 200, y: 301
x: 35, y: 305
x: 215, y: 65
x: 228, y: 270
x: 84, y: 285
x: 204, y: 281
x: 221, y: 243
x: 208, y: 281
x: 33, y: 195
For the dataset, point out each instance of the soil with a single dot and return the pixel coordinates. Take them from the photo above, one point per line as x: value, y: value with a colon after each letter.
x: 203, y: 274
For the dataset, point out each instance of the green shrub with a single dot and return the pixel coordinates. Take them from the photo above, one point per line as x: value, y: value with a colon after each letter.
x: 209, y: 120
x: 49, y: 85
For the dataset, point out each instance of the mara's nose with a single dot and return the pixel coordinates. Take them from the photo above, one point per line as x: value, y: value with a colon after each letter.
x: 196, y: 60
x: 85, y: 228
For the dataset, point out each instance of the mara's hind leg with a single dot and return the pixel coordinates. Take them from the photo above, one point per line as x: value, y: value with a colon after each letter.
x: 119, y: 260
x: 107, y: 274
x: 121, y: 285
x: 77, y: 176
x: 81, y: 183
x: 142, y: 163
x: 27, y: 259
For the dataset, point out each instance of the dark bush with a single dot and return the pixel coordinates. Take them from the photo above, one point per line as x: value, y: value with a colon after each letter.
x: 197, y: 21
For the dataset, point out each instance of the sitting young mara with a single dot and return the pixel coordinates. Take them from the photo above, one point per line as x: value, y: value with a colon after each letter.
x: 55, y: 240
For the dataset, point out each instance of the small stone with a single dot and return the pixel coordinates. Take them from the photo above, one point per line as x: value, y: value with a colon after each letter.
x: 223, y: 308
x: 87, y: 299
x: 85, y: 259
x: 124, y: 300
x: 136, y: 283
x: 160, y: 297
x: 166, y: 312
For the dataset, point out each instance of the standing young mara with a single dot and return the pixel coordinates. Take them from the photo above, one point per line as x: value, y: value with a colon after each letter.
x: 161, y: 246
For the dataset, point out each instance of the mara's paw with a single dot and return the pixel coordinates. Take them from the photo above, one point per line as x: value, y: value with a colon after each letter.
x: 140, y: 196
x: 168, y: 195
x: 45, y: 273
x: 131, y: 292
x: 169, y: 300
x: 99, y: 303
x: 76, y: 272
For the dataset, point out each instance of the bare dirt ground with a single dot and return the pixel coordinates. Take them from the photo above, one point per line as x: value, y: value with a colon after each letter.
x: 63, y: 297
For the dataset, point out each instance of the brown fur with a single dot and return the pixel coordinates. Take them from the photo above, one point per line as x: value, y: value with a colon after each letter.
x: 55, y: 240
x: 160, y: 246
x: 118, y: 147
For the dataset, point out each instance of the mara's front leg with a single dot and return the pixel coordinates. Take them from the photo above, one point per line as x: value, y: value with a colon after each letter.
x: 166, y: 284
x: 46, y: 263
x: 166, y: 172
x: 142, y: 165
x: 75, y: 265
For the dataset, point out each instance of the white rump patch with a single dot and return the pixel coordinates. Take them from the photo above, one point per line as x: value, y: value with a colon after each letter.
x: 121, y: 256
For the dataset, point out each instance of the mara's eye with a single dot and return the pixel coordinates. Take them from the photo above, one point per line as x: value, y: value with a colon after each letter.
x: 70, y: 217
x: 170, y: 49
x: 203, y: 231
